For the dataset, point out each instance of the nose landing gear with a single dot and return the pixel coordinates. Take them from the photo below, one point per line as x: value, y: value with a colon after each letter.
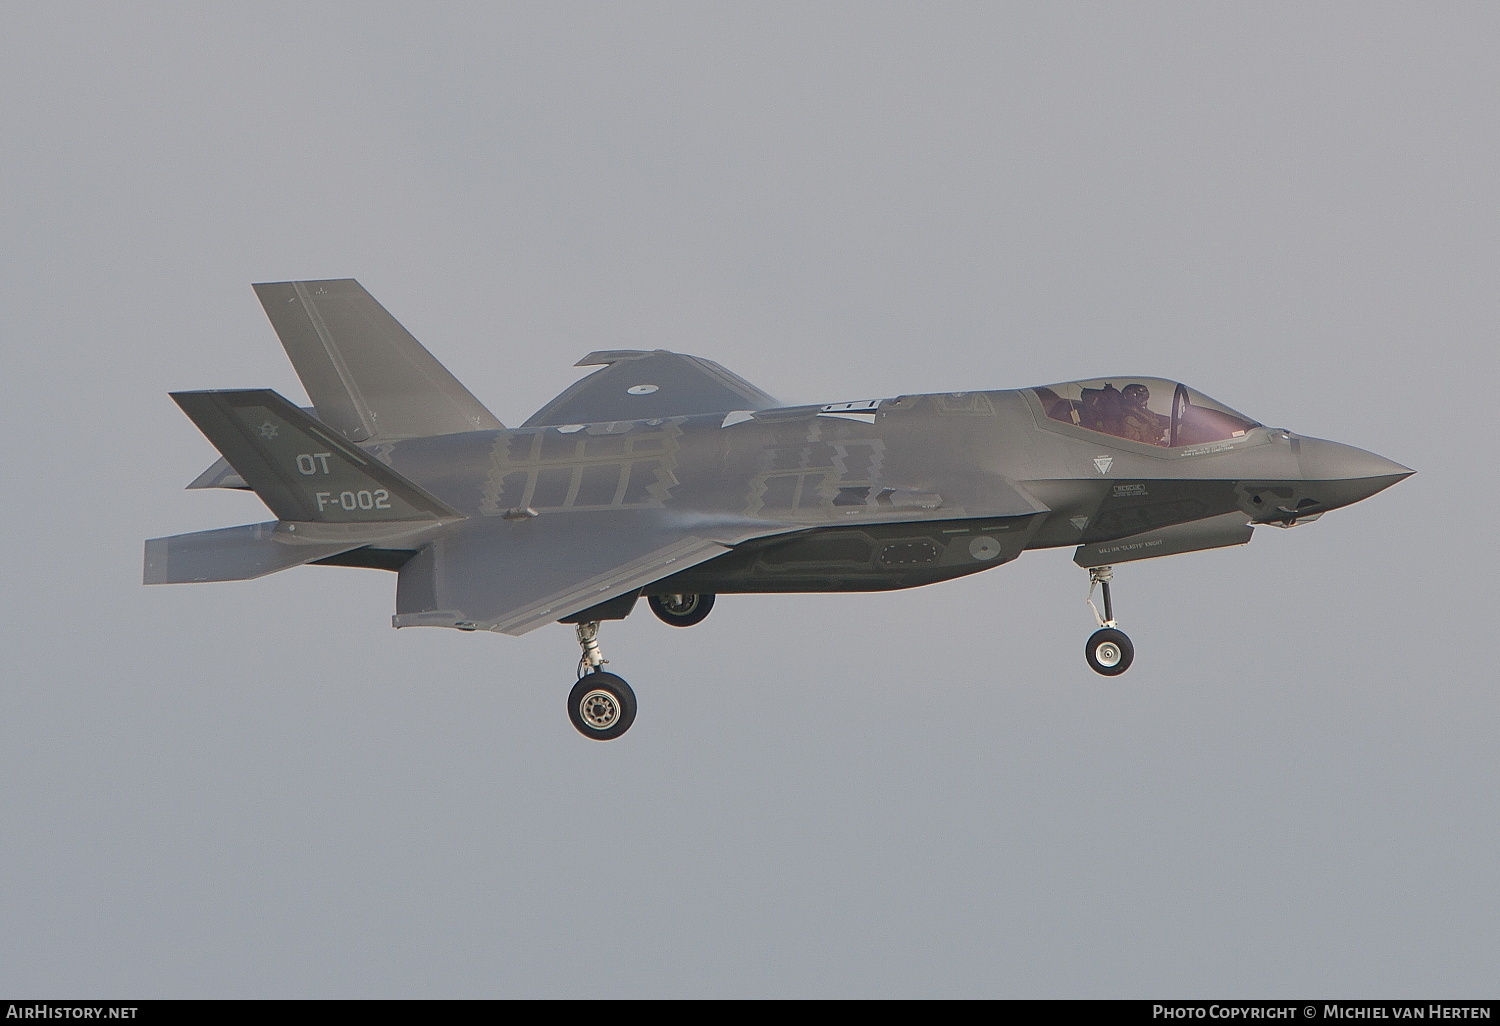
x: 1109, y: 650
x: 601, y: 705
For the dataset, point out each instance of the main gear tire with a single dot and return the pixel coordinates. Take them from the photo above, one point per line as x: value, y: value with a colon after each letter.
x: 601, y: 706
x: 681, y: 610
x: 1109, y: 652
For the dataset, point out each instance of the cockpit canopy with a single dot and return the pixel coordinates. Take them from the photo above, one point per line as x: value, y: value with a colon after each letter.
x: 1149, y: 410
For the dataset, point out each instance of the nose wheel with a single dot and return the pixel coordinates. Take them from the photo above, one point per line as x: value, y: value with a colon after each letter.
x: 601, y: 705
x: 1109, y: 650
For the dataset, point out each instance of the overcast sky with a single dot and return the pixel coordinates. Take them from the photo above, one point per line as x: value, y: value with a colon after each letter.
x: 261, y: 789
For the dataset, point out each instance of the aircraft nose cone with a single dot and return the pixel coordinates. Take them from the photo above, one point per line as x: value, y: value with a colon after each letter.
x: 1323, y: 460
x: 1347, y: 474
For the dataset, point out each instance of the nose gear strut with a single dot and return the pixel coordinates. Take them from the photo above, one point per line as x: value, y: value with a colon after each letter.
x: 1098, y: 576
x: 1109, y: 650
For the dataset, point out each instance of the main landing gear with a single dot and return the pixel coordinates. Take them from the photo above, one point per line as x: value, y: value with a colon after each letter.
x: 601, y: 705
x: 681, y: 610
x: 1109, y: 650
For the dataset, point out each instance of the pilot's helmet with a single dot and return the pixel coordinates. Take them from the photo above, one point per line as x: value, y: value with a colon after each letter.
x: 1137, y: 394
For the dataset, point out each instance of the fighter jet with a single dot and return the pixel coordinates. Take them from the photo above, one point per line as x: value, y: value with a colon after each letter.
x: 666, y: 476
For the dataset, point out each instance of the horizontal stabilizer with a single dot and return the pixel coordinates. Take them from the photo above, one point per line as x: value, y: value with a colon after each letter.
x: 367, y: 376
x: 230, y: 554
x: 639, y: 384
x: 1195, y: 536
x: 255, y: 550
x: 300, y: 468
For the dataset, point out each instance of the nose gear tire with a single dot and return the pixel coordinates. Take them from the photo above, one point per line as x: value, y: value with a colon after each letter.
x: 680, y: 610
x: 1109, y: 652
x: 601, y: 706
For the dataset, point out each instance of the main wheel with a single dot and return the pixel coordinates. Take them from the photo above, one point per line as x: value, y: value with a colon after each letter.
x: 1109, y: 652
x: 601, y: 706
x: 681, y: 610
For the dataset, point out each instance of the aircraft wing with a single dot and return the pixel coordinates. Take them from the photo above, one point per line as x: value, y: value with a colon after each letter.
x: 513, y: 576
x: 636, y: 385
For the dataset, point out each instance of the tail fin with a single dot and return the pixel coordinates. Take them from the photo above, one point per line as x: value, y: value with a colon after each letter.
x: 300, y: 468
x: 367, y: 376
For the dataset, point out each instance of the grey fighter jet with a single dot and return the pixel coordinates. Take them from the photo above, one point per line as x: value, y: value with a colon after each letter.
x: 666, y: 476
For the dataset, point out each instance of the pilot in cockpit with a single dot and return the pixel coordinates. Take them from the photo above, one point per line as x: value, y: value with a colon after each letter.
x: 1137, y: 421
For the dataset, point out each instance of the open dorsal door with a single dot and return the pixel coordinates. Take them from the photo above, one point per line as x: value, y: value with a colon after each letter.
x: 641, y: 384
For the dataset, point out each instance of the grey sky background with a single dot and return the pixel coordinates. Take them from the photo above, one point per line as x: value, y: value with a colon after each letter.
x: 260, y: 789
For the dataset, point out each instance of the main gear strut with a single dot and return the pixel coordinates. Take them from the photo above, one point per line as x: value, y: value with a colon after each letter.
x: 592, y: 660
x: 601, y: 705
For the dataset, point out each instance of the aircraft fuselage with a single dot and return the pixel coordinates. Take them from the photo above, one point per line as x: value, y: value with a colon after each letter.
x: 895, y: 494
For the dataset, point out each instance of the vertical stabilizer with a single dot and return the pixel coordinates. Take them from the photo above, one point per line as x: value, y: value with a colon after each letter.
x: 301, y: 470
x: 367, y: 377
